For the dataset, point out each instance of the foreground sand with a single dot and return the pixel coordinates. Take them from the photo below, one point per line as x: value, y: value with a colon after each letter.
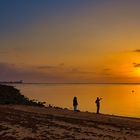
x: 33, y: 123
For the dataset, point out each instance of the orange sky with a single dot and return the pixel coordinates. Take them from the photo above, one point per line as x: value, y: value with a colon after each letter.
x: 70, y: 42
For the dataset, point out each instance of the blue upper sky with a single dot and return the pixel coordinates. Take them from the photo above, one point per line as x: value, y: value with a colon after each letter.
x: 15, y: 14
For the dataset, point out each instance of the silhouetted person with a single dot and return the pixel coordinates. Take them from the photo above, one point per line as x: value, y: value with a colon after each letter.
x: 75, y: 104
x: 98, y: 104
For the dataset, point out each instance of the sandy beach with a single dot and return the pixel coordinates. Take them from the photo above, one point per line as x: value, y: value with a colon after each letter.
x: 19, y: 122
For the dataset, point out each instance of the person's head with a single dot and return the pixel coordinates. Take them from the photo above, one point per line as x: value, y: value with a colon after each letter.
x: 97, y: 98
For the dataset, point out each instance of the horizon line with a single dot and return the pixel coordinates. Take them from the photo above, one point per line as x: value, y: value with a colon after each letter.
x: 79, y: 83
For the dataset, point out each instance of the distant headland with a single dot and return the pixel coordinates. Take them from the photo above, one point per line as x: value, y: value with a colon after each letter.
x: 12, y: 82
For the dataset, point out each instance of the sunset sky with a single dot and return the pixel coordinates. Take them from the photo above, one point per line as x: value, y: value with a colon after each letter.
x: 70, y: 40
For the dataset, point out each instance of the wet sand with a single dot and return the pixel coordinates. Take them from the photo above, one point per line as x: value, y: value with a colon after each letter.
x: 18, y: 122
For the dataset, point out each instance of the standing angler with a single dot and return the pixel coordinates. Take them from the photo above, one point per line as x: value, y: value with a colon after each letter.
x: 98, y: 104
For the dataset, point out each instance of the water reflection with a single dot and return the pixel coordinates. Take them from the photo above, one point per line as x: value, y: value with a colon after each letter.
x: 118, y: 99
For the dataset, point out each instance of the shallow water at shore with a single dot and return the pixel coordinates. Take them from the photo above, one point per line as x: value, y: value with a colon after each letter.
x: 118, y: 99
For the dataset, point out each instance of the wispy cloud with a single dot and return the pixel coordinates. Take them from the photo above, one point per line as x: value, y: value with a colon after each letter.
x: 44, y: 73
x: 78, y: 71
x: 11, y: 72
x: 106, y: 69
x: 136, y: 50
x: 51, y: 73
x: 136, y: 65
x: 43, y: 67
x: 106, y: 72
x: 46, y: 67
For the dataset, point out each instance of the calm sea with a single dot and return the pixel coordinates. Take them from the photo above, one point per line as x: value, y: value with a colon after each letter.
x: 118, y: 99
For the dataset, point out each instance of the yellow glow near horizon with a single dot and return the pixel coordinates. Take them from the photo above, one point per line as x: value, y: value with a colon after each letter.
x: 137, y: 72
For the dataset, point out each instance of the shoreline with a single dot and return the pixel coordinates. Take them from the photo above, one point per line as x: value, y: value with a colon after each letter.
x: 38, y: 123
x: 125, y: 83
x: 22, y: 107
x: 89, y: 105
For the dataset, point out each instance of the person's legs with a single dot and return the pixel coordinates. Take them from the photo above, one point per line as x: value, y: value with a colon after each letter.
x: 75, y: 108
x: 98, y: 108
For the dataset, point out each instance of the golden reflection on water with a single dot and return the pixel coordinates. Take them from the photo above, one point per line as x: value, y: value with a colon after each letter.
x: 118, y: 99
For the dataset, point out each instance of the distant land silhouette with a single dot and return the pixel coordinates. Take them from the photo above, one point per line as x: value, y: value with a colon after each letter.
x: 77, y: 83
x: 22, y: 82
x: 12, y: 82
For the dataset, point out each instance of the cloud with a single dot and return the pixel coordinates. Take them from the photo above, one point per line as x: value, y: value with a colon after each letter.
x: 78, y: 71
x: 61, y: 68
x: 106, y: 72
x: 137, y: 50
x: 136, y: 65
x: 12, y: 72
x: 61, y: 64
x: 106, y: 69
x: 46, y: 67
x: 49, y: 73
x: 50, y: 66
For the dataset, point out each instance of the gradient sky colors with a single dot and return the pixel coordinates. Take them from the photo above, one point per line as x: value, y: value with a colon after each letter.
x: 70, y: 41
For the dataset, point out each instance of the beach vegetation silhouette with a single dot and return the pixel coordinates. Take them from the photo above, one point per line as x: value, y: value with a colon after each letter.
x: 11, y: 95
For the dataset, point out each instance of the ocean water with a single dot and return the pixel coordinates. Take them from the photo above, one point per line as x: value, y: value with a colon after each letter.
x: 118, y: 99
